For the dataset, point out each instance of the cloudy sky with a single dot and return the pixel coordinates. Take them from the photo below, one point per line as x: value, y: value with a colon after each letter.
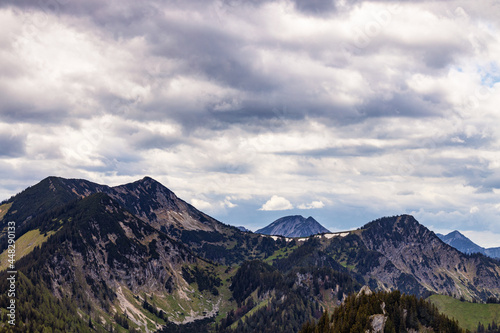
x: 251, y: 110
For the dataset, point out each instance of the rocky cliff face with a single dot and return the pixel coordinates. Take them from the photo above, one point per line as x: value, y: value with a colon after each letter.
x: 160, y: 207
x: 293, y: 226
x: 411, y: 251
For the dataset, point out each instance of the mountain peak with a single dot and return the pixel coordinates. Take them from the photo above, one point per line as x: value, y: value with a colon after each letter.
x: 457, y: 240
x: 394, y: 222
x: 293, y: 226
x: 147, y: 179
x: 457, y: 234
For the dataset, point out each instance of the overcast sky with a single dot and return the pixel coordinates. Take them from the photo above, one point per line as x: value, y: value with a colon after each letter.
x: 251, y: 110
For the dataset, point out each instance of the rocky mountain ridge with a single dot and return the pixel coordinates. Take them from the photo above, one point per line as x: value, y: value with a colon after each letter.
x: 420, y: 258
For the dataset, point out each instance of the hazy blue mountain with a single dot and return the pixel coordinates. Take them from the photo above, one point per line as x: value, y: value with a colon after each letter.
x: 493, y: 252
x: 293, y: 226
x: 461, y: 243
x: 465, y: 245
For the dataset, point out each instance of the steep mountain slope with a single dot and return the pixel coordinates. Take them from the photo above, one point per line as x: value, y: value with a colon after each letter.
x: 40, y: 309
x: 284, y: 299
x: 293, y: 226
x: 133, y: 271
x: 162, y: 209
x: 465, y: 245
x: 101, y: 255
x: 408, y: 249
x: 48, y: 194
x: 156, y: 204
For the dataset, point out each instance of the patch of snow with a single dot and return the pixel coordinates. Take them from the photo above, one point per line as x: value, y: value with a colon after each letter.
x: 336, y: 234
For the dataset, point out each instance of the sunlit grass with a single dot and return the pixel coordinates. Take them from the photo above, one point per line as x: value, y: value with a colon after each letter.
x: 468, y: 314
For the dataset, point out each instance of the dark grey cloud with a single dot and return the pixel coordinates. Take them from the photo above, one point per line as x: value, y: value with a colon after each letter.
x: 406, y: 104
x: 12, y: 145
x: 315, y: 7
x: 359, y: 150
x: 486, y: 185
x: 29, y: 112
x: 144, y: 139
x: 231, y: 168
x: 210, y: 52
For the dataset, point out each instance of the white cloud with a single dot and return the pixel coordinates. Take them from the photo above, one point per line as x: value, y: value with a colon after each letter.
x: 227, y: 203
x: 277, y: 203
x: 201, y: 204
x: 213, y: 206
x: 312, y: 205
x: 483, y: 238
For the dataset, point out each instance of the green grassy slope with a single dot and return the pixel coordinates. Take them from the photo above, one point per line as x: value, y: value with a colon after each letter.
x: 467, y: 314
x: 24, y: 245
x: 4, y: 209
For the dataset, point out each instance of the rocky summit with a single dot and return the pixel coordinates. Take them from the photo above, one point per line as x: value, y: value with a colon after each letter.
x: 293, y: 226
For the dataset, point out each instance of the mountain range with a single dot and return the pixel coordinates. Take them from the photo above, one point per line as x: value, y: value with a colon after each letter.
x: 465, y: 245
x: 293, y: 226
x: 137, y: 258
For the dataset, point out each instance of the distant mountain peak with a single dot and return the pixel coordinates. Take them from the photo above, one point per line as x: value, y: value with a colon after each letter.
x: 294, y: 226
x: 456, y: 233
x: 463, y: 244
